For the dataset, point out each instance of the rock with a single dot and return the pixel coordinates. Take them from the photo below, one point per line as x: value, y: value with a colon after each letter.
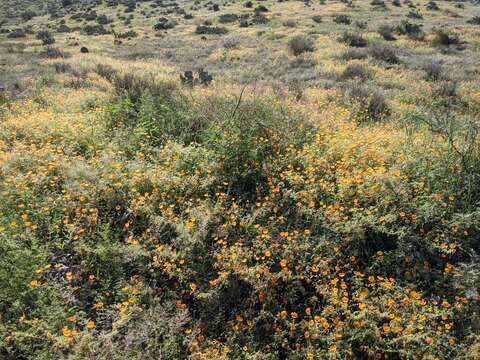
x: 84, y: 50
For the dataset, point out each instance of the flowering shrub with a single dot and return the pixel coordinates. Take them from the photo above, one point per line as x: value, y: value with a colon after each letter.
x: 210, y: 227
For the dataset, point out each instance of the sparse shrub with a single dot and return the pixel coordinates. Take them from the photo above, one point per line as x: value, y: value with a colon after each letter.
x: 28, y: 15
x: 447, y: 88
x: 384, y: 53
x: 227, y: 18
x: 413, y: 31
x: 63, y: 29
x: 396, y: 3
x: 300, y: 44
x: 106, y: 71
x: 210, y: 30
x: 303, y: 62
x: 360, y: 24
x: 372, y: 105
x: 103, y: 20
x: 164, y: 24
x: 387, y: 32
x: 55, y: 53
x: 444, y: 38
x: 290, y: 23
x: 46, y: 37
x: 61, y: 67
x: 433, y: 70
x: 355, y: 54
x: 231, y: 43
x: 353, y: 71
x: 414, y: 14
x: 474, y: 20
x: 94, y: 30
x: 353, y: 39
x: 16, y: 34
x: 378, y: 3
x: 317, y: 19
x: 260, y: 18
x: 342, y: 19
x: 432, y: 5
x: 261, y: 9
x: 126, y: 35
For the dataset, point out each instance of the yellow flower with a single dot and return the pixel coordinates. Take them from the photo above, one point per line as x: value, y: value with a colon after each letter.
x: 267, y: 253
x: 90, y: 324
x: 283, y: 262
x: 361, y: 306
x: 193, y: 286
x: 34, y: 283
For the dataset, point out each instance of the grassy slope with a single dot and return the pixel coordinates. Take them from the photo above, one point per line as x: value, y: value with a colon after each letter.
x: 272, y: 214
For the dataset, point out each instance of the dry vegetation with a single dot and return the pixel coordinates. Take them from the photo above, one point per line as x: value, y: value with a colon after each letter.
x: 239, y: 179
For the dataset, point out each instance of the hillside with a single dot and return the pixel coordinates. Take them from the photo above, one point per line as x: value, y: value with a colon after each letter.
x: 239, y: 179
